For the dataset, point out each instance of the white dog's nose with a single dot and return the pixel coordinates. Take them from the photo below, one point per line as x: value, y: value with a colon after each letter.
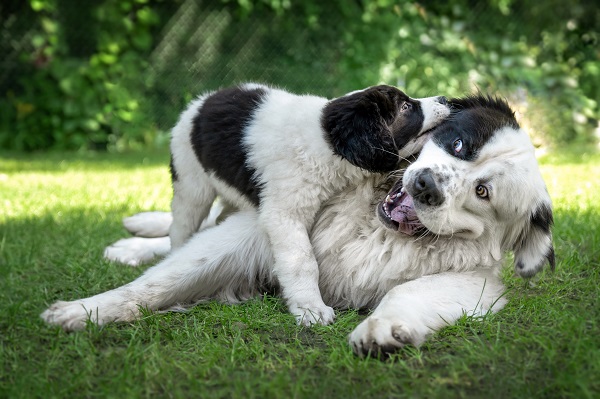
x: 425, y: 190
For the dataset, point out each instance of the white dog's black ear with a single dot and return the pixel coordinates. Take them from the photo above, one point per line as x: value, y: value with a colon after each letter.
x: 534, y: 246
x: 357, y: 126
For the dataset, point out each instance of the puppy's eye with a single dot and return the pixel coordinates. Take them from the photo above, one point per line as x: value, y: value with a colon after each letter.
x: 457, y: 145
x: 406, y: 107
x: 482, y: 191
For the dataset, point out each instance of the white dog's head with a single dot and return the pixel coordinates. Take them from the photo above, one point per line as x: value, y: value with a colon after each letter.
x: 478, y: 178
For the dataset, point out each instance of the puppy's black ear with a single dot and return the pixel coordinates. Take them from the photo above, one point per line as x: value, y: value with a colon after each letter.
x: 534, y: 246
x: 357, y: 126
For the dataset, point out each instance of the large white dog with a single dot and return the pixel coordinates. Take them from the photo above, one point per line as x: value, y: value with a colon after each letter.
x: 474, y: 193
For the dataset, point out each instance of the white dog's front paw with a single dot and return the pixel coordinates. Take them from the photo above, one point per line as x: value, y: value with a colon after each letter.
x: 135, y: 251
x: 99, y: 309
x: 71, y: 316
x: 310, y: 314
x: 381, y: 336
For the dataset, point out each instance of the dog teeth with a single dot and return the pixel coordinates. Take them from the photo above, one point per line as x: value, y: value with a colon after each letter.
x: 389, y: 199
x: 386, y: 209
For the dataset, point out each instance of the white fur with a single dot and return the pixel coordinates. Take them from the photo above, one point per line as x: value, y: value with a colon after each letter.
x: 149, y: 224
x: 220, y: 263
x: 360, y: 263
x: 433, y: 112
x: 135, y: 251
x: 507, y: 167
x: 297, y: 171
x: 417, y: 284
x: 410, y: 312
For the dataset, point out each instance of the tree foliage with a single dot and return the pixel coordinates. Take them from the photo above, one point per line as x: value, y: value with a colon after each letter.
x: 115, y: 73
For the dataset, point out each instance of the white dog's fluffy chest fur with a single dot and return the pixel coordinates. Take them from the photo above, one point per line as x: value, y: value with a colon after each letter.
x: 361, y: 261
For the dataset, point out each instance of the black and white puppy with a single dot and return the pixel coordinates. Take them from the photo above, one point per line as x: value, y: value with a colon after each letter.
x: 285, y: 154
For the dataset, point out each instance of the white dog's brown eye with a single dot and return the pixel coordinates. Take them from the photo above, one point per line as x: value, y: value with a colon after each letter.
x: 406, y: 106
x: 482, y: 191
x: 457, y: 145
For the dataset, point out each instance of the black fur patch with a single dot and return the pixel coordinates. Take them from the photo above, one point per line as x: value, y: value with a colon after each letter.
x: 476, y: 121
x: 484, y: 101
x: 217, y: 135
x: 174, y: 176
x: 551, y: 259
x: 542, y: 218
x: 367, y: 128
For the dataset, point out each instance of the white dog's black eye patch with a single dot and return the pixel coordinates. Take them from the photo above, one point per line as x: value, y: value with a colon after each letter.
x: 475, y: 123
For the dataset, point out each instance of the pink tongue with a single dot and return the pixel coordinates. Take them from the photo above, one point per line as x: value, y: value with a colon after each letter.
x: 406, y: 216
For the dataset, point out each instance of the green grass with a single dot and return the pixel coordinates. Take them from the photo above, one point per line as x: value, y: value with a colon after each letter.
x: 58, y: 211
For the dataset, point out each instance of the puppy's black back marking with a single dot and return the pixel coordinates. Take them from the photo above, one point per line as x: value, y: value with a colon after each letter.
x: 217, y: 137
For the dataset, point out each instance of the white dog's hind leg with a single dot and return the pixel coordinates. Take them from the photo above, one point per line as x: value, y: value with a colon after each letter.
x: 410, y: 312
x: 227, y: 262
x: 152, y: 229
x: 149, y: 224
x: 135, y: 251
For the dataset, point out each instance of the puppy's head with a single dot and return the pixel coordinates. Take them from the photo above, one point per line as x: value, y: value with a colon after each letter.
x: 376, y: 127
x: 478, y: 178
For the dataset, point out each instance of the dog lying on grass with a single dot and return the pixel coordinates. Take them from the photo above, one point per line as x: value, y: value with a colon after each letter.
x: 422, y: 247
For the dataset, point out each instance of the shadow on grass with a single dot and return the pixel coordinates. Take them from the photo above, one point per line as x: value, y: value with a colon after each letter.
x: 56, y: 249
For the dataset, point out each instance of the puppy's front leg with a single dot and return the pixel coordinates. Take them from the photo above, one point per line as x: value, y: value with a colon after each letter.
x: 410, y: 312
x: 295, y: 265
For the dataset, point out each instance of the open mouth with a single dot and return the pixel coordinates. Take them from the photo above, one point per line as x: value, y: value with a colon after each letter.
x: 397, y: 211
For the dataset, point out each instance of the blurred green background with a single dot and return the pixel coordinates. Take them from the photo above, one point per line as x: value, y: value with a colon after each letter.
x: 114, y: 74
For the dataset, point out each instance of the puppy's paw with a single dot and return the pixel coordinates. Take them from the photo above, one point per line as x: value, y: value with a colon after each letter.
x: 149, y: 224
x: 310, y: 314
x: 379, y: 337
x: 71, y: 316
x: 135, y: 251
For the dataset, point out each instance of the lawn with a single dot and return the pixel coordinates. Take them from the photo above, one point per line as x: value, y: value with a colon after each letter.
x: 58, y: 211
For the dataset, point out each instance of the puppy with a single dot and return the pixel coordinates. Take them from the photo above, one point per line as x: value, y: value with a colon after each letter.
x: 285, y: 154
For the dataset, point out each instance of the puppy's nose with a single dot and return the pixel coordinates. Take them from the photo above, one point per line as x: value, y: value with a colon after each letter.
x: 425, y: 189
x: 442, y: 100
